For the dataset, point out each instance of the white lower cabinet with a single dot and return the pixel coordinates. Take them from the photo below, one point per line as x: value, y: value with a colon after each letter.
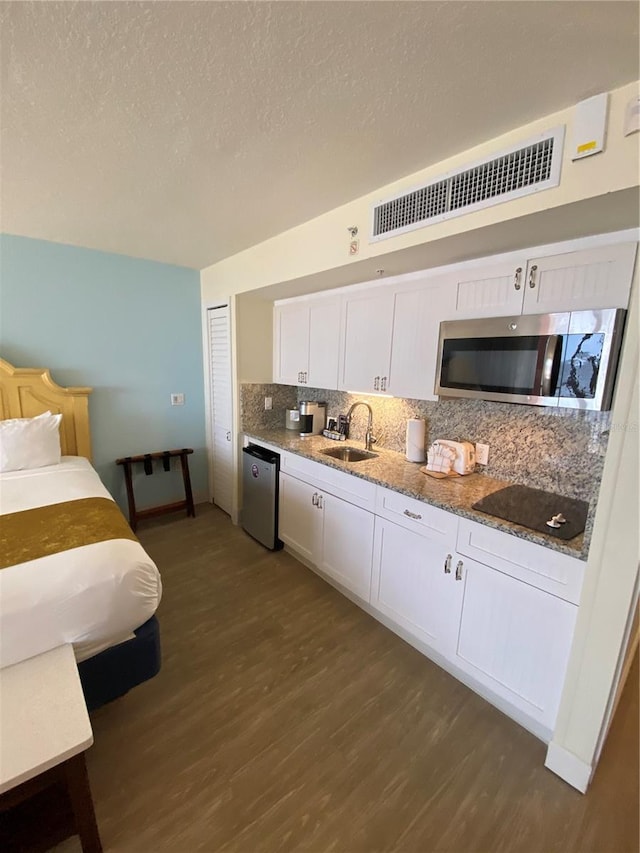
x: 414, y: 584
x: 328, y: 532
x: 515, y: 639
x: 496, y: 622
x: 299, y: 524
x: 347, y: 540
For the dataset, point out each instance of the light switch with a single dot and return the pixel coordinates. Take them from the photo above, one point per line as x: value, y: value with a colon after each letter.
x: 177, y: 399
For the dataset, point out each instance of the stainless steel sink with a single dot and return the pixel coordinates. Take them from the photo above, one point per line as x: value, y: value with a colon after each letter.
x: 348, y: 454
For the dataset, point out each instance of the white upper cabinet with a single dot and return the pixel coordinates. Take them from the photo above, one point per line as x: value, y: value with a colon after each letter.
x: 580, y: 281
x: 487, y: 290
x: 307, y: 343
x: 324, y: 343
x: 382, y: 338
x: 368, y: 329
x: 291, y: 342
x: 417, y: 313
x: 391, y: 338
x: 585, y: 280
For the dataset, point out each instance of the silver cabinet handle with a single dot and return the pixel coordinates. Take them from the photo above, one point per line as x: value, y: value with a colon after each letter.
x: 376, y: 383
x: 299, y: 376
x: 410, y: 514
x: 447, y: 565
x: 532, y: 276
x: 314, y: 499
x: 383, y: 385
x: 320, y: 503
x: 304, y: 376
x: 516, y: 280
x: 228, y: 435
x: 459, y: 570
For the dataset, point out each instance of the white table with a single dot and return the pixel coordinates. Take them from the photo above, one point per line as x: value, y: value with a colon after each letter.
x: 44, y: 731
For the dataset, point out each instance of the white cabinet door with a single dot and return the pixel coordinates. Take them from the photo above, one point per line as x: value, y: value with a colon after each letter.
x: 291, y: 343
x: 368, y: 323
x: 487, y: 290
x: 324, y: 343
x: 515, y: 639
x: 299, y: 517
x: 577, y: 281
x: 414, y: 584
x: 417, y: 313
x: 347, y: 544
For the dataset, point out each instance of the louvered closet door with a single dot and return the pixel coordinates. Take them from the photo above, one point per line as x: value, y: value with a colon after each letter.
x: 221, y: 405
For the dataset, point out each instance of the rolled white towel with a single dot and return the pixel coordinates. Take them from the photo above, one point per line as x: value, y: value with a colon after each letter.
x: 440, y: 458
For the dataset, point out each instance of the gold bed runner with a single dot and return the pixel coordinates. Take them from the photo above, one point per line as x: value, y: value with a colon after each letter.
x: 34, y: 533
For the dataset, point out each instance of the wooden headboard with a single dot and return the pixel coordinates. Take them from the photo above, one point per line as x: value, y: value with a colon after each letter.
x: 27, y: 392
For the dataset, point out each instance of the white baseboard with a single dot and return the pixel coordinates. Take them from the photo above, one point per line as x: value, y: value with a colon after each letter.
x: 568, y: 766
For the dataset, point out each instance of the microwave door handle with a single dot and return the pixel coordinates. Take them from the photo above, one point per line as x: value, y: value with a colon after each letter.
x: 547, y: 385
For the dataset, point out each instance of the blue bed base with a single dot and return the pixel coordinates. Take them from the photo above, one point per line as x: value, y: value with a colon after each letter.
x: 113, y: 672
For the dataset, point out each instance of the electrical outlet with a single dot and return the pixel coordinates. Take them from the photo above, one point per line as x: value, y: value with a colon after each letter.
x: 268, y: 404
x: 482, y: 454
x: 177, y: 399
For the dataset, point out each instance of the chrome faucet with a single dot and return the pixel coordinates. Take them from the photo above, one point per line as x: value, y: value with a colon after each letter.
x: 369, y: 439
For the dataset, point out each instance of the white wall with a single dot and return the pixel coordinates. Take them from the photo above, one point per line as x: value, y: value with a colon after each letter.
x: 322, y: 243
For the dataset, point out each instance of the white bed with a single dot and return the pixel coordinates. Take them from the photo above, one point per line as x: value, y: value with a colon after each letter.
x: 93, y: 596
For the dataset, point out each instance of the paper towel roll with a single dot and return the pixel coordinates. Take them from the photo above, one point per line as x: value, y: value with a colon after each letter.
x: 415, y: 439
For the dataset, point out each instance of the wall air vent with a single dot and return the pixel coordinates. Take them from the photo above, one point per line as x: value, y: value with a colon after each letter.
x: 523, y: 169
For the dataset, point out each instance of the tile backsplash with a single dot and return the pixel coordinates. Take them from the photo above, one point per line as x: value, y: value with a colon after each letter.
x: 252, y: 412
x: 560, y: 450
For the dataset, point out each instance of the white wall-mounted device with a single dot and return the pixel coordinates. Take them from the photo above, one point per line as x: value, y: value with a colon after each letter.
x: 590, y: 126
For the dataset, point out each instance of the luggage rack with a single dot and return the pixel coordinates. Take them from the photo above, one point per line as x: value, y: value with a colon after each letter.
x: 146, y: 459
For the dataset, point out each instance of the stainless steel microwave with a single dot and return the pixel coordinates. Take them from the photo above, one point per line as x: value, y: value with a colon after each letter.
x: 566, y: 359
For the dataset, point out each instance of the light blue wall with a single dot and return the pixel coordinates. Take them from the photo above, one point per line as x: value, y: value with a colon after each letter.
x: 129, y: 328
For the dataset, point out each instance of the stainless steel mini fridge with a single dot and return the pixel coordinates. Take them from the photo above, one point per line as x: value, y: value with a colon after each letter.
x: 260, y: 468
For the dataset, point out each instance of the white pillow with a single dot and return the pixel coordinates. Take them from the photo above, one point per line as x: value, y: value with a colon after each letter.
x: 30, y: 442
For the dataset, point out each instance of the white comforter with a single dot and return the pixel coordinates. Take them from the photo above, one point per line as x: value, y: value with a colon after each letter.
x: 93, y: 596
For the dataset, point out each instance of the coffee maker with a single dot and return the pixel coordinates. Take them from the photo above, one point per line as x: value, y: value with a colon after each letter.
x: 313, y: 417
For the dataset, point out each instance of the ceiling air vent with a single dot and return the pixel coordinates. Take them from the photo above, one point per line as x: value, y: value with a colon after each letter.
x: 523, y: 169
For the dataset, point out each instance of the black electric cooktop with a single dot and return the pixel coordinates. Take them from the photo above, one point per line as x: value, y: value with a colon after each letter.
x: 532, y: 508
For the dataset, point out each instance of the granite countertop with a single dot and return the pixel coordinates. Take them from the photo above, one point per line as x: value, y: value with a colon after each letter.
x: 391, y: 469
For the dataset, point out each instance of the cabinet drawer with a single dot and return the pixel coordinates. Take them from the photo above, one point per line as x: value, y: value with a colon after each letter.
x: 416, y: 515
x: 534, y: 564
x: 353, y: 489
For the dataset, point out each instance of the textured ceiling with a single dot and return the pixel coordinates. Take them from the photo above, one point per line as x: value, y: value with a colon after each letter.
x: 185, y: 132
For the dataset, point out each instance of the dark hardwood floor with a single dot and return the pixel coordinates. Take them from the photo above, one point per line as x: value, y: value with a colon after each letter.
x: 287, y: 719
